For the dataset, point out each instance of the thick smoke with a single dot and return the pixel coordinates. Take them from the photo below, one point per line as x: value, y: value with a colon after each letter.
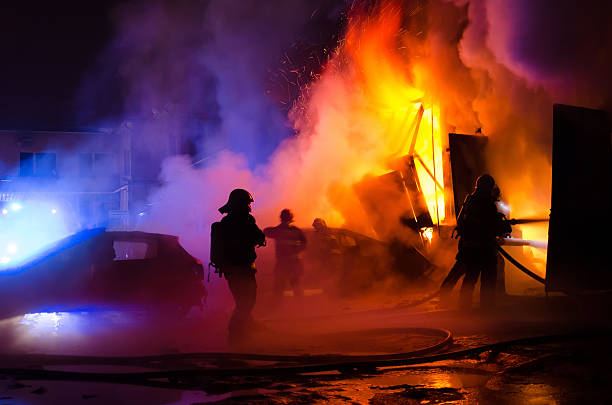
x: 198, y: 69
x: 559, y: 45
x: 516, y: 115
x: 524, y: 56
x: 479, y: 59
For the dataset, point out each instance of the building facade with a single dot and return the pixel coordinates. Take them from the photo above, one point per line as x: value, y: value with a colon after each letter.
x: 86, y: 174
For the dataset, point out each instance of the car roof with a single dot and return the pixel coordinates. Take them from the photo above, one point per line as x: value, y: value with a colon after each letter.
x: 139, y: 235
x: 346, y: 232
x: 77, y: 238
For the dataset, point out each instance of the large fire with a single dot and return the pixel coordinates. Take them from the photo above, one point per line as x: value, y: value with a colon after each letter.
x: 408, y: 114
x: 397, y: 83
x: 367, y: 110
x: 379, y: 99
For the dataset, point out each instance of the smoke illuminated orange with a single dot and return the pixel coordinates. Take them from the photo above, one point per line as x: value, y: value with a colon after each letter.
x: 372, y: 45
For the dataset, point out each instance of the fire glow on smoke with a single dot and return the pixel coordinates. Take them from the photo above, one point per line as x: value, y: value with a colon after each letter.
x: 370, y: 108
x: 384, y: 85
x: 401, y: 107
x: 385, y: 81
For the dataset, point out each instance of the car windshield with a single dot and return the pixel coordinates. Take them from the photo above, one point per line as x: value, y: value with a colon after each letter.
x: 135, y: 250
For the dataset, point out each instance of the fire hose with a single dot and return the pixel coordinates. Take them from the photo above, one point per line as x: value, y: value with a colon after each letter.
x: 505, y: 254
x: 511, y: 259
x: 519, y: 265
x: 33, y: 365
x: 191, y: 378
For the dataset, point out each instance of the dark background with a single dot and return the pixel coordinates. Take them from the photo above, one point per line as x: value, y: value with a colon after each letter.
x: 47, y: 47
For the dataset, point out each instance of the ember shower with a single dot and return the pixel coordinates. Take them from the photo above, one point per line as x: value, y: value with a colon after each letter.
x: 399, y: 68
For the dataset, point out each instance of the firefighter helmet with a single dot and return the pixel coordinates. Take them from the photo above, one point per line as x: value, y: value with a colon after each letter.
x: 238, y: 199
x: 485, y: 183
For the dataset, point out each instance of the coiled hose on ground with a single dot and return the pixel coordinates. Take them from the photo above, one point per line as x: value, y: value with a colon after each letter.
x: 184, y: 378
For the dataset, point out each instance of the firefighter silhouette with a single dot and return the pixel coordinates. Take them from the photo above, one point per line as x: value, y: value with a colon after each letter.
x: 325, y: 250
x: 232, y: 252
x: 328, y: 241
x: 479, y: 224
x: 290, y: 242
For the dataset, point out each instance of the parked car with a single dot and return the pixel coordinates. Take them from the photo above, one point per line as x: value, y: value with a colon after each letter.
x: 98, y: 267
x: 355, y: 263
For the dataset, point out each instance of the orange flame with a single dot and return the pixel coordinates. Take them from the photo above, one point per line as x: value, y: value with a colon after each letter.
x: 408, y: 114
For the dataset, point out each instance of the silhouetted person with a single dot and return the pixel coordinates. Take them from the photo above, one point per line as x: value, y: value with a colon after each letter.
x: 479, y: 224
x: 233, y: 242
x: 289, y: 244
x: 325, y: 247
x: 458, y: 271
x: 326, y: 255
x: 325, y: 237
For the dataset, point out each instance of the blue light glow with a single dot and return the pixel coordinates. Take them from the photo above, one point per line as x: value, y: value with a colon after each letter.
x: 12, y: 248
x: 49, y: 322
x: 28, y: 226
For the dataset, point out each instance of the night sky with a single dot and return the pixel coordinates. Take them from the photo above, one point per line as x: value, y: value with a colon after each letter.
x: 51, y: 51
x: 47, y: 48
x: 58, y: 73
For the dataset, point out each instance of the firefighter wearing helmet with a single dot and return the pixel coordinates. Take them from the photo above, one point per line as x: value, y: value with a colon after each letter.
x: 479, y: 224
x: 232, y: 252
x: 290, y: 242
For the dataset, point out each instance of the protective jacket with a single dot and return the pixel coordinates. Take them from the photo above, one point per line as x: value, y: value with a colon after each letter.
x: 289, y: 240
x: 233, y: 240
x: 478, y: 225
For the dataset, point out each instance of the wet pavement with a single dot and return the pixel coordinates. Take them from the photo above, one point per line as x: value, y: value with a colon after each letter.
x: 566, y: 372
x: 570, y: 367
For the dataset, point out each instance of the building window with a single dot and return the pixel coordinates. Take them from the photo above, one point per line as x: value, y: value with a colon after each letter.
x: 26, y: 164
x: 45, y: 164
x: 96, y: 164
x: 37, y: 164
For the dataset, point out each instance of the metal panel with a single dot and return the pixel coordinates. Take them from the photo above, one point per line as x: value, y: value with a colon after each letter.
x: 468, y: 161
x: 578, y: 237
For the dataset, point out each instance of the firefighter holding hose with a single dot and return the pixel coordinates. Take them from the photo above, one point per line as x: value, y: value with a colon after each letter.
x: 232, y: 252
x: 479, y: 224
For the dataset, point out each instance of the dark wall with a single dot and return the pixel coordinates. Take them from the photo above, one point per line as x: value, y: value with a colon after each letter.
x: 578, y: 258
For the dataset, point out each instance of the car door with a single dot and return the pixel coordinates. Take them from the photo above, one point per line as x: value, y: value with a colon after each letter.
x: 127, y: 279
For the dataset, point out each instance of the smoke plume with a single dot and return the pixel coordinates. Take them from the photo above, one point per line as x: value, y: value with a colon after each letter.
x: 493, y: 65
